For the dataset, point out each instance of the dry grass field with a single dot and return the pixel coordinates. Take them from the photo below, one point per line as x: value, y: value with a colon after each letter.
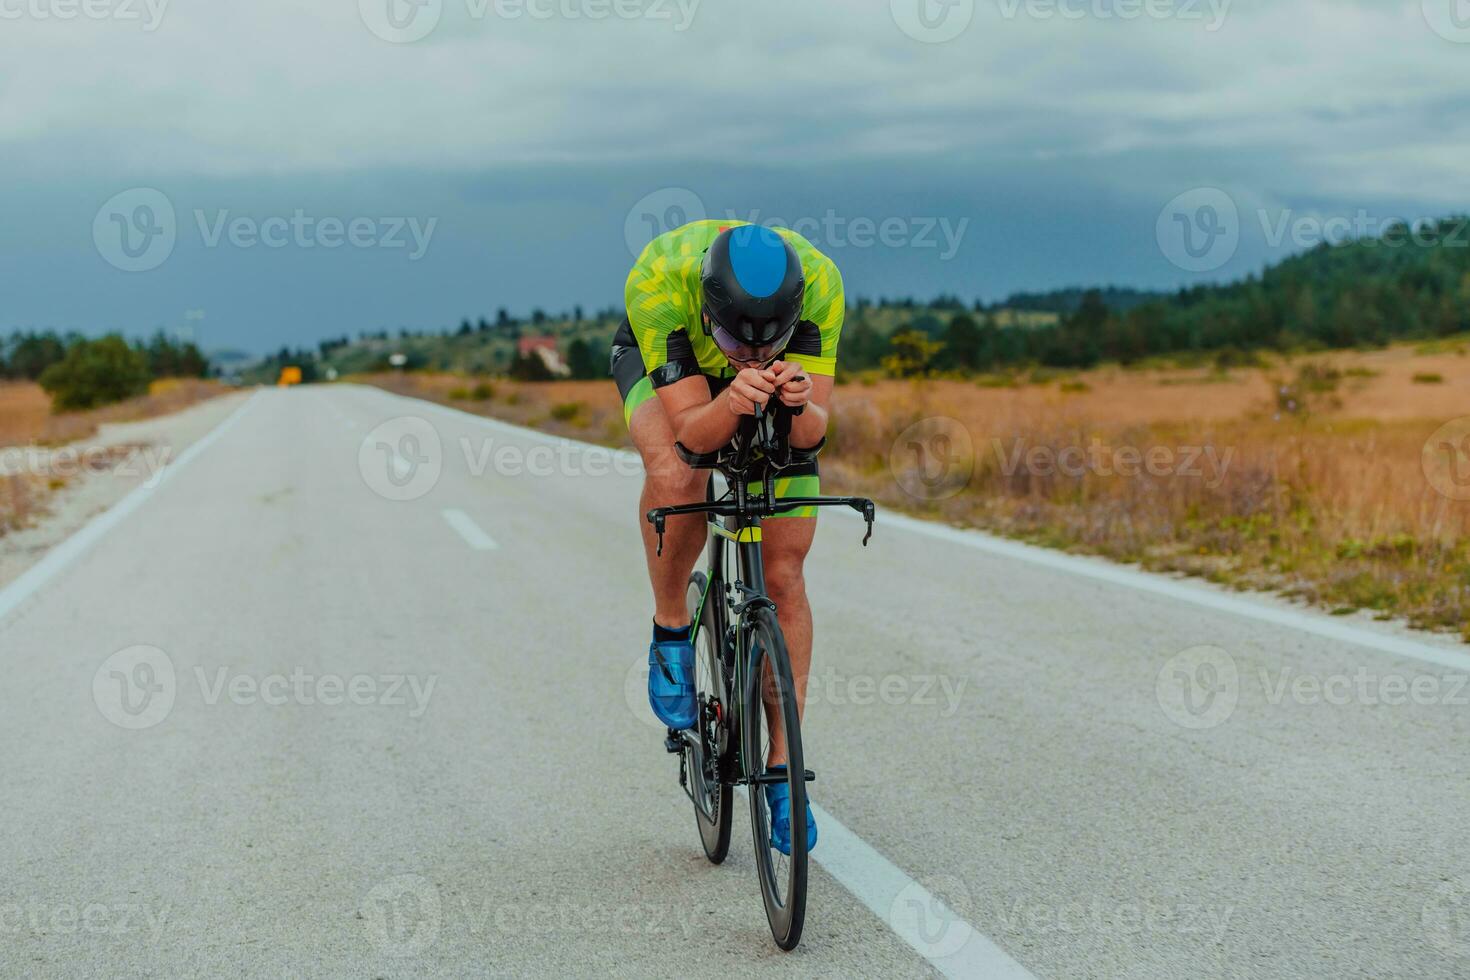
x: 1326, y: 476
x: 26, y: 420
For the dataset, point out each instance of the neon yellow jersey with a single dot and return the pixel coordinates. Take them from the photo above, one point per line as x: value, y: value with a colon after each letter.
x: 663, y: 300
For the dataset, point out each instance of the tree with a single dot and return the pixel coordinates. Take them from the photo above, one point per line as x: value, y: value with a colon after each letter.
x: 911, y: 354
x: 963, y: 343
x: 583, y: 361
x: 530, y: 367
x: 96, y: 372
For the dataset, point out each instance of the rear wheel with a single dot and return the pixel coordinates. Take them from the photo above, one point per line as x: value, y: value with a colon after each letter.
x: 712, y: 798
x: 782, y: 876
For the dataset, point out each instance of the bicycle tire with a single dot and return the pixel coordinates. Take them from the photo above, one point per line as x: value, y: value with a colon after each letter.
x: 785, y: 908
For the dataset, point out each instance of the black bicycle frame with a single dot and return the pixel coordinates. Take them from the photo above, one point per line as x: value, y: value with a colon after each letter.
x: 736, y: 518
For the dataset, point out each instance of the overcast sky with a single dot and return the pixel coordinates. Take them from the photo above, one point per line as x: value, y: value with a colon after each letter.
x: 298, y: 173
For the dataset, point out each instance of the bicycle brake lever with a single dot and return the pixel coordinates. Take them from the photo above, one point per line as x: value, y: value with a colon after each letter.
x: 869, y: 514
x: 658, y: 528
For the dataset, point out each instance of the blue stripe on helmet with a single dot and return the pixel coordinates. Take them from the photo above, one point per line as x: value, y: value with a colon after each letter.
x: 758, y: 258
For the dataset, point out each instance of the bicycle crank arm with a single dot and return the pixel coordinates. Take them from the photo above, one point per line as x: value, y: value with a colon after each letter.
x: 774, y: 777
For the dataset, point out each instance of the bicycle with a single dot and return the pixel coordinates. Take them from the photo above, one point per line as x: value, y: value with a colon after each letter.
x: 740, y: 649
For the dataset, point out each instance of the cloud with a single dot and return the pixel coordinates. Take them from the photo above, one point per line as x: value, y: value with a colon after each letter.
x: 273, y: 87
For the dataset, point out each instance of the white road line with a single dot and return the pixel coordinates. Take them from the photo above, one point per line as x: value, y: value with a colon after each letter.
x: 951, y: 945
x: 469, y: 530
x: 59, y: 557
x: 1306, y: 621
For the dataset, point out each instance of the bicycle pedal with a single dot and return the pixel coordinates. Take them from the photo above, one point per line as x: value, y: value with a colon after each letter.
x: 673, y: 744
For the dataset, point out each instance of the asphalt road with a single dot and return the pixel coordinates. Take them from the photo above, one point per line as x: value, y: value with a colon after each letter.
x: 268, y: 720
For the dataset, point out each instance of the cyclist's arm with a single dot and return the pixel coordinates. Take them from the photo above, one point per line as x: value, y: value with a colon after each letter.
x: 703, y: 424
x: 809, y: 428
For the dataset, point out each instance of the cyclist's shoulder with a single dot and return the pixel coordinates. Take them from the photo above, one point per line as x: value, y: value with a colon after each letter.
x: 678, y: 250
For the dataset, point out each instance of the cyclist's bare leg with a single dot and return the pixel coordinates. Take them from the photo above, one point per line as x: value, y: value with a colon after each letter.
x: 667, y: 481
x: 784, y: 546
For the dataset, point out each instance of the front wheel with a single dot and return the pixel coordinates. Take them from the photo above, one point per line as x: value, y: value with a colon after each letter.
x: 782, y: 876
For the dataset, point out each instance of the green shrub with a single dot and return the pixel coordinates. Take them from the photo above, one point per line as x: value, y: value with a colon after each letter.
x: 483, y: 392
x: 569, y: 412
x: 1428, y: 378
x: 459, y: 394
x: 96, y: 372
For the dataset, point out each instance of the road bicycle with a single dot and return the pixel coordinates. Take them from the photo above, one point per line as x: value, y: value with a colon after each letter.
x: 741, y: 659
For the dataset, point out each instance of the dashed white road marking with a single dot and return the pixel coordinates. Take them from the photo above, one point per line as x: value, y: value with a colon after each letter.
x: 469, y: 530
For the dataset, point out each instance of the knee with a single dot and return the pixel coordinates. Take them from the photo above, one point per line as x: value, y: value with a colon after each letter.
x: 785, y: 580
x: 672, y: 482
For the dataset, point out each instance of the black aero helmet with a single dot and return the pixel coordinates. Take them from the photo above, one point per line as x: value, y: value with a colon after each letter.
x: 753, y: 287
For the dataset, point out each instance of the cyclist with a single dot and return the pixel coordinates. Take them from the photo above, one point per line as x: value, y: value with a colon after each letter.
x: 723, y: 316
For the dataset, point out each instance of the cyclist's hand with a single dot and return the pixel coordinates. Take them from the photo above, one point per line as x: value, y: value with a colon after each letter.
x: 792, y: 382
x: 750, y: 388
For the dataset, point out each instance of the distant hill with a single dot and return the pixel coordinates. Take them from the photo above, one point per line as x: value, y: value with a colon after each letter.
x: 1366, y: 292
